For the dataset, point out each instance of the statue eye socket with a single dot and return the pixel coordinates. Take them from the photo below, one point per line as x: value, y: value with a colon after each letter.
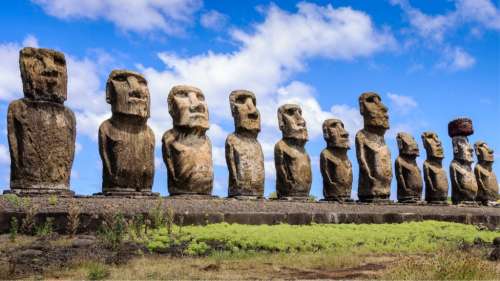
x: 120, y: 78
x: 241, y: 99
x: 59, y: 60
x: 200, y: 97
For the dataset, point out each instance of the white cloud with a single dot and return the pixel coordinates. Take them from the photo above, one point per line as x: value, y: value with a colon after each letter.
x: 456, y: 58
x: 476, y: 15
x: 169, y: 16
x: 4, y: 155
x: 402, y: 104
x: 213, y: 20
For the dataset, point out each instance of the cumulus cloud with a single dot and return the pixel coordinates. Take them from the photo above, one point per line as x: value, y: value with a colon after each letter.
x: 169, y: 16
x: 10, y: 77
x: 213, y: 20
x: 477, y: 15
x: 456, y: 58
x: 264, y: 62
x: 402, y: 104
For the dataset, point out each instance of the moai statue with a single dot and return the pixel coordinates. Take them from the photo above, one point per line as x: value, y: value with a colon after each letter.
x: 487, y: 183
x: 187, y: 151
x: 41, y: 130
x: 374, y: 156
x: 335, y: 166
x: 436, y: 181
x: 408, y: 173
x: 244, y: 156
x: 126, y: 142
x: 463, y: 181
x: 293, y: 165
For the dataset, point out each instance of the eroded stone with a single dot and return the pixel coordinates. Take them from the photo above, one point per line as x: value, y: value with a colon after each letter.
x: 41, y: 130
x: 373, y: 154
x: 435, y: 178
x: 187, y: 150
x: 408, y: 175
x: 293, y: 165
x: 244, y: 156
x: 486, y: 178
x: 126, y: 142
x: 335, y: 166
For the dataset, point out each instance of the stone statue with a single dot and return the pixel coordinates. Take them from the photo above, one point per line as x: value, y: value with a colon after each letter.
x: 436, y: 181
x: 126, y: 143
x: 408, y: 173
x: 463, y: 181
x: 293, y: 165
x: 374, y: 156
x: 487, y: 183
x: 41, y: 130
x: 335, y: 166
x: 244, y: 156
x: 187, y: 151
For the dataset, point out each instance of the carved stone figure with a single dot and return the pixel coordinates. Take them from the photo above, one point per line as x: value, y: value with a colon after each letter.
x: 373, y: 154
x: 408, y: 173
x: 335, y: 166
x: 126, y: 142
x: 486, y: 178
x: 293, y: 165
x: 463, y: 181
x: 244, y: 156
x: 435, y: 178
x: 41, y: 130
x: 187, y: 151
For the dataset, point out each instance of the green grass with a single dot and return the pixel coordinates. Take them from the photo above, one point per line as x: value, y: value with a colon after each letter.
x: 413, y: 237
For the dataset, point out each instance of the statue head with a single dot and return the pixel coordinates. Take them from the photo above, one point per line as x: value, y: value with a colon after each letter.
x: 335, y: 134
x: 187, y: 106
x: 245, y: 113
x: 291, y: 122
x: 374, y: 112
x: 432, y: 145
x: 462, y: 150
x: 44, y: 76
x: 407, y: 145
x: 128, y: 94
x: 483, y: 152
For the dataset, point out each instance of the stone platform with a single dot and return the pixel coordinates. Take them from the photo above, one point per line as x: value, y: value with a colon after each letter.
x: 202, y: 211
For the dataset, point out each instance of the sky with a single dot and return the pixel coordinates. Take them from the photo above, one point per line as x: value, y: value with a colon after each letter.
x: 431, y: 61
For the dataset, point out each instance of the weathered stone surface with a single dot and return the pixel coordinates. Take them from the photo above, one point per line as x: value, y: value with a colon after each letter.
x: 373, y: 154
x: 460, y: 127
x: 293, y: 165
x: 335, y: 166
x: 244, y: 156
x: 435, y: 178
x: 126, y: 142
x: 408, y: 173
x: 41, y: 130
x: 485, y: 176
x: 187, y: 151
x: 463, y: 181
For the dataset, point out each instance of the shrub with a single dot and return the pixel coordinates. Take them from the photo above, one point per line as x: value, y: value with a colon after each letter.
x: 46, y: 228
x: 73, y: 219
x: 53, y: 200
x: 112, y: 230
x: 97, y: 271
x: 14, y: 229
x: 196, y: 248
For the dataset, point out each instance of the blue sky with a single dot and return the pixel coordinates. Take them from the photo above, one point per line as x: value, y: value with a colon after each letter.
x: 431, y: 61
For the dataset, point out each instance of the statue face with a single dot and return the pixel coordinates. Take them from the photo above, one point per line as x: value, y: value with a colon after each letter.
x: 245, y: 113
x: 407, y: 145
x: 128, y: 93
x: 374, y: 111
x: 291, y: 122
x: 187, y: 107
x: 432, y: 145
x: 335, y: 134
x: 483, y: 152
x: 462, y: 150
x: 44, y: 75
